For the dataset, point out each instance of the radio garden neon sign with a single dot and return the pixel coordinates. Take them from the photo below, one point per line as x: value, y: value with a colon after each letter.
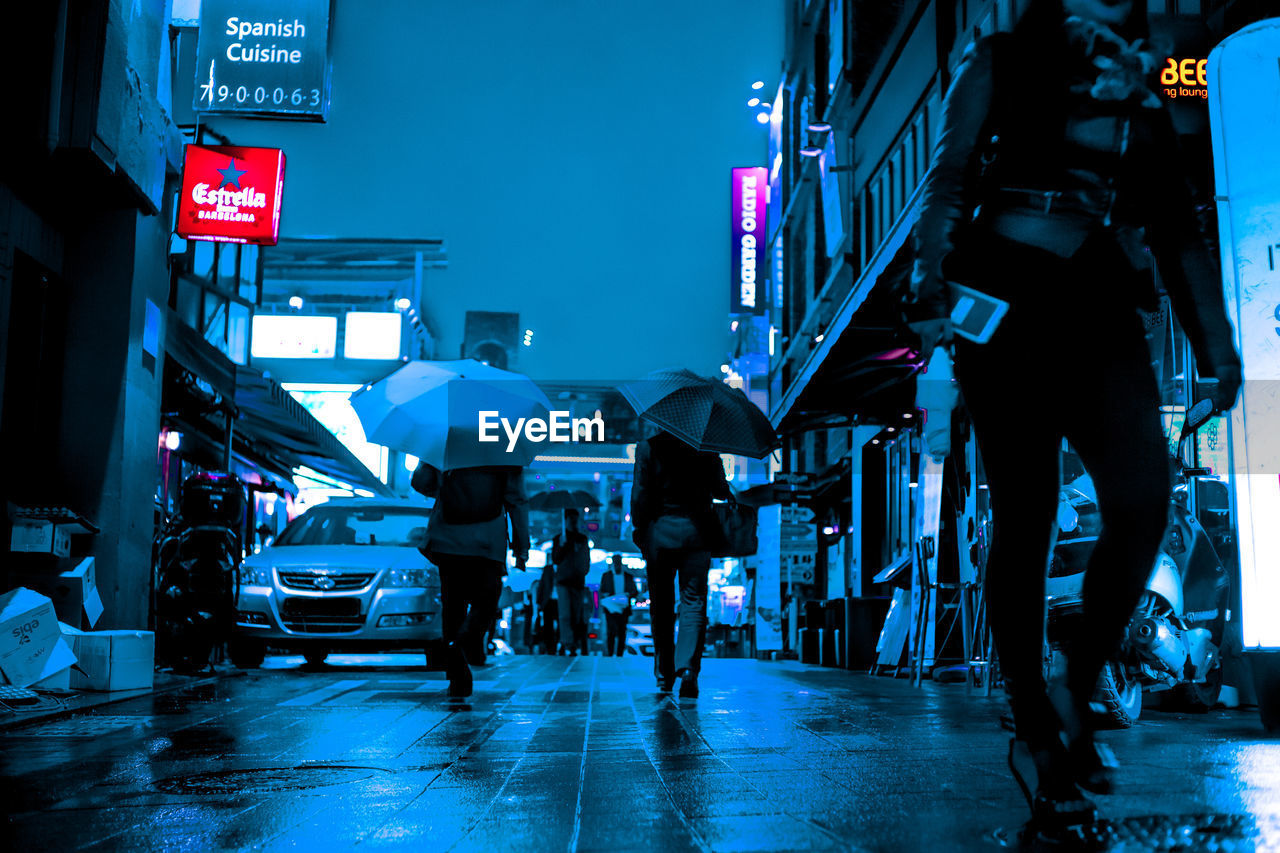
x: 1184, y: 78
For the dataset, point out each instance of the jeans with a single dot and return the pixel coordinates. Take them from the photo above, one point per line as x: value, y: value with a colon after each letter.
x: 690, y: 568
x: 569, y: 600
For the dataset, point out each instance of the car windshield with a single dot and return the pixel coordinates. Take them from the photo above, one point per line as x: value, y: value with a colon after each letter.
x: 326, y: 525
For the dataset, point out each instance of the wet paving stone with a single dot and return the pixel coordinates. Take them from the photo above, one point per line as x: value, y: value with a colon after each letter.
x: 582, y: 755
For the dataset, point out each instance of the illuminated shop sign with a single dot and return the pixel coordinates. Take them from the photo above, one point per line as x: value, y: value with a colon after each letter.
x: 1242, y: 76
x: 294, y: 336
x: 748, y: 264
x: 231, y: 194
x: 372, y: 334
x: 1185, y: 78
x: 263, y: 57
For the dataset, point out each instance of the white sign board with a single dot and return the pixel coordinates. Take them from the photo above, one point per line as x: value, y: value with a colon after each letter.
x: 1244, y: 112
x: 768, y: 585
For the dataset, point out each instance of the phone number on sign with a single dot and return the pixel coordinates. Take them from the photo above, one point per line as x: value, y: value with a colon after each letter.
x: 261, y: 95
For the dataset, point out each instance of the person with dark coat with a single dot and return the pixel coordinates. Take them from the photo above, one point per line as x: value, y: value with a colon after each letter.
x: 571, y: 554
x: 671, y: 495
x: 622, y: 584
x: 467, y: 539
x: 1055, y: 181
x: 548, y: 609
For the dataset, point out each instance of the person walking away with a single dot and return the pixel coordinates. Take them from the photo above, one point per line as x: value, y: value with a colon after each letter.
x: 467, y: 539
x: 617, y: 591
x: 671, y: 496
x: 547, y: 609
x: 571, y: 553
x: 1056, y: 177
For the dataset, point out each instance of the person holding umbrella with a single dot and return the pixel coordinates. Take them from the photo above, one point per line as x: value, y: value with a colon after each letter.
x: 676, y: 478
x: 467, y: 540
x: 433, y: 410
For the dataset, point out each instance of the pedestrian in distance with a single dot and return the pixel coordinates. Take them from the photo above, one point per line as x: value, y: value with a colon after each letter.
x: 673, y: 488
x: 571, y: 554
x: 547, y: 609
x: 617, y: 591
x: 466, y: 538
x: 1055, y: 179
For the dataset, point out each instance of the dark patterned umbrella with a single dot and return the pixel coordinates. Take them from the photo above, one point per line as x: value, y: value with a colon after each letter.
x: 704, y: 413
x: 563, y: 499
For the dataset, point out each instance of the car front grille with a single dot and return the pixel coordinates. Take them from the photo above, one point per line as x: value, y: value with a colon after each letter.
x: 310, y: 580
x: 321, y: 615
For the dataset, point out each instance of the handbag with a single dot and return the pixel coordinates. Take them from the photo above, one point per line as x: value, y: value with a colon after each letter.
x: 737, y: 528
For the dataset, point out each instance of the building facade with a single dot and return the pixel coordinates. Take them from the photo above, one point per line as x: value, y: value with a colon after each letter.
x: 853, y: 125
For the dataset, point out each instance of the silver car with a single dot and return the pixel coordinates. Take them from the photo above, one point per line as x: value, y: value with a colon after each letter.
x: 344, y: 576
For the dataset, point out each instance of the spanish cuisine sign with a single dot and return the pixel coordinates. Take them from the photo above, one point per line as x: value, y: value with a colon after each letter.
x: 231, y: 194
x: 264, y: 57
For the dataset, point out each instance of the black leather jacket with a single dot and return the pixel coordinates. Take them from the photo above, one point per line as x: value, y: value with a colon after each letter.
x: 1112, y: 168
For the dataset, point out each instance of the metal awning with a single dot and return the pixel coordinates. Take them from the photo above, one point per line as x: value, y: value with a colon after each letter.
x: 857, y: 360
x: 351, y: 258
x: 271, y: 429
x: 279, y: 429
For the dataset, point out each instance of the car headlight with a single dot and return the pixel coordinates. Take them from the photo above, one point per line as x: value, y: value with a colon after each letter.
x: 254, y: 575
x: 406, y: 577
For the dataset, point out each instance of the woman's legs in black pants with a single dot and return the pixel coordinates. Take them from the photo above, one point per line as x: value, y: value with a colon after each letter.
x: 1067, y: 361
x: 1020, y: 452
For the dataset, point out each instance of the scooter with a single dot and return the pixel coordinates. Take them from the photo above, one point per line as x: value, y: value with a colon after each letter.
x: 1172, y: 644
x: 196, y: 571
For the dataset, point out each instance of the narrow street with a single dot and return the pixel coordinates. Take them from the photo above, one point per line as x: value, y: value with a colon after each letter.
x: 582, y: 754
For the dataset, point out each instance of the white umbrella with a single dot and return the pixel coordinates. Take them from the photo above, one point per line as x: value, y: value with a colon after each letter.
x: 432, y: 409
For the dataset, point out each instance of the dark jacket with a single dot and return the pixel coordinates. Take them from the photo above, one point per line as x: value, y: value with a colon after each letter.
x: 572, y: 558
x: 471, y: 511
x: 1064, y: 167
x: 671, y: 478
x: 629, y: 588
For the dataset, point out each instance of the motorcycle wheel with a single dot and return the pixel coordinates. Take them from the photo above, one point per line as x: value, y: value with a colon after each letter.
x: 315, y: 657
x: 1119, y: 695
x: 1200, y: 698
x: 246, y: 653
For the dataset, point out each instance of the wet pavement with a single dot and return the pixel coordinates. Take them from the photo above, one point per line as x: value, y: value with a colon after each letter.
x: 583, y: 754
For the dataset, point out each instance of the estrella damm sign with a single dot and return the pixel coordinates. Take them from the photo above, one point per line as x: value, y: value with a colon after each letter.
x: 231, y: 194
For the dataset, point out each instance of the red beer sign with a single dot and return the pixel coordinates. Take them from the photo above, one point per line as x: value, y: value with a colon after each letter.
x: 231, y: 194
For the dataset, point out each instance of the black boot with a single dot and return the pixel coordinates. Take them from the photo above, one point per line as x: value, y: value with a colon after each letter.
x: 1043, y: 773
x: 458, y: 672
x: 1093, y: 764
x: 688, y: 684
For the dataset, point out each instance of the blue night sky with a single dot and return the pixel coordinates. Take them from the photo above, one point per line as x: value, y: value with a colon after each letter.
x: 573, y: 154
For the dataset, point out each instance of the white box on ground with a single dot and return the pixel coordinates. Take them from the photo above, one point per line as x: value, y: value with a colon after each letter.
x: 114, y: 660
x: 31, y: 644
x: 73, y: 592
x: 40, y: 537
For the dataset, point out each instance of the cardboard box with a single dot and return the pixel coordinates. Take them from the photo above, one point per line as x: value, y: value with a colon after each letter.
x: 40, y: 537
x: 114, y: 660
x: 74, y: 592
x: 31, y: 643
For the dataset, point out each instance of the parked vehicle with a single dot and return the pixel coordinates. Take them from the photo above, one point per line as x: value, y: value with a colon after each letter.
x: 195, y: 563
x: 640, y: 631
x: 346, y: 575
x: 1173, y: 640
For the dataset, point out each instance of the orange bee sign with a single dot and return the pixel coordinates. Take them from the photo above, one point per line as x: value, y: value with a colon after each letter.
x: 1184, y: 78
